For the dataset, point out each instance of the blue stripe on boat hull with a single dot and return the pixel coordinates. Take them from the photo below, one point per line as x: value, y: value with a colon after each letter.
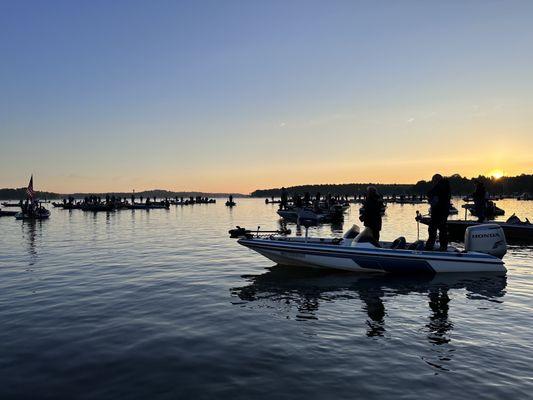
x: 392, y: 265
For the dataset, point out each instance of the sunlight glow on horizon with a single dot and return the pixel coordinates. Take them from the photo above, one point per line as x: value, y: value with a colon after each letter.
x: 496, y: 174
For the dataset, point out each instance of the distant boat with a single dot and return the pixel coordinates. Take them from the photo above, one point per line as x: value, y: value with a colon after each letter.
x: 148, y: 206
x: 36, y: 214
x: 453, y: 210
x: 525, y: 196
x: 313, y: 215
x: 6, y: 204
x: 32, y: 209
x: 97, y: 207
x: 516, y: 231
x: 8, y: 213
x: 71, y: 206
x: 272, y: 201
x: 491, y: 210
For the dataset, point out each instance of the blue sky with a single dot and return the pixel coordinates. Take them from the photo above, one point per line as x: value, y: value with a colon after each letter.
x: 237, y: 95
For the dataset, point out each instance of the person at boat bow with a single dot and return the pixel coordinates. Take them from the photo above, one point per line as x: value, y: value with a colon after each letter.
x: 371, y: 211
x: 439, y: 197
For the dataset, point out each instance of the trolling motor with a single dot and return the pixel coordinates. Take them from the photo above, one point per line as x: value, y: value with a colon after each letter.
x: 239, y: 232
x: 418, y: 218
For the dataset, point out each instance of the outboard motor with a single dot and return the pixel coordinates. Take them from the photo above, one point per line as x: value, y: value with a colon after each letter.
x: 486, y: 238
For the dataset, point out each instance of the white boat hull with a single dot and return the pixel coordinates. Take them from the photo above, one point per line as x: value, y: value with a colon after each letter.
x: 372, y: 259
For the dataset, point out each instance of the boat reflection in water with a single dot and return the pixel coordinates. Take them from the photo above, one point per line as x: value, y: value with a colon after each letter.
x: 32, y: 232
x: 282, y: 288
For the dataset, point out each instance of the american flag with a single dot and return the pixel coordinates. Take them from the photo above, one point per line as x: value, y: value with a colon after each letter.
x: 29, y: 190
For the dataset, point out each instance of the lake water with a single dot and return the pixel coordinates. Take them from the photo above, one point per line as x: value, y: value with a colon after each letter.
x: 162, y: 304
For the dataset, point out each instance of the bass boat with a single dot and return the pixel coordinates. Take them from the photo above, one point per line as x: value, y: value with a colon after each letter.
x: 356, y: 251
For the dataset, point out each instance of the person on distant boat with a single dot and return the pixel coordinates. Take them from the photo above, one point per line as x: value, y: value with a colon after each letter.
x: 480, y: 201
x: 317, y: 200
x: 297, y: 201
x: 439, y: 197
x: 371, y: 211
x: 307, y: 198
x: 284, y: 198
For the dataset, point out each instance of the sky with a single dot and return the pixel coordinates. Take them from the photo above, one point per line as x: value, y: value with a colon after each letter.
x: 232, y: 96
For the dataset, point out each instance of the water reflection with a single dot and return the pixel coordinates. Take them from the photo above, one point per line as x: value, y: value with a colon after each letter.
x: 30, y: 228
x: 439, y: 324
x: 306, y: 289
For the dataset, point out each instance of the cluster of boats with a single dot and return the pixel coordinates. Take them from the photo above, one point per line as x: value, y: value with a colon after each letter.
x: 111, y: 203
x: 36, y: 210
x: 485, y: 244
x: 324, y: 212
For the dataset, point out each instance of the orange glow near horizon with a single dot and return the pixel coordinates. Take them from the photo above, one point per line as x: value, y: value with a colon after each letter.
x: 228, y: 179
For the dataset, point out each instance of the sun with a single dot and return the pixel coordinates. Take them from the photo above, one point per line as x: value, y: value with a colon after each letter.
x: 496, y: 173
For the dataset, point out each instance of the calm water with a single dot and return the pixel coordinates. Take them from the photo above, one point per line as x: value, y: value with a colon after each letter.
x: 162, y: 304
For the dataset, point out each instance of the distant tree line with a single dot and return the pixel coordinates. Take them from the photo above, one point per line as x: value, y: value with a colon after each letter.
x: 20, y: 194
x: 515, y: 185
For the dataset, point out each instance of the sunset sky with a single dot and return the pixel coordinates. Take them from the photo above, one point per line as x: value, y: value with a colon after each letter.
x: 231, y: 96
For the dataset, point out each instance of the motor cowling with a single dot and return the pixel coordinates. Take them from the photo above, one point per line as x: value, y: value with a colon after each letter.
x: 486, y: 238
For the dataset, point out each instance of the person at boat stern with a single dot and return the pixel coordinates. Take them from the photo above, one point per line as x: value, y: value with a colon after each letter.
x: 439, y: 197
x: 371, y: 211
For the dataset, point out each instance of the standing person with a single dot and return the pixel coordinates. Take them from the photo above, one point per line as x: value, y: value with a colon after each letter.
x: 480, y: 201
x: 297, y: 200
x: 317, y: 201
x: 439, y: 197
x: 284, y: 198
x: 307, y: 198
x: 371, y: 211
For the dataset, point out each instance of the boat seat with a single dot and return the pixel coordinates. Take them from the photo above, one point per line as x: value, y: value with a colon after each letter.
x: 352, y: 232
x: 366, y: 236
x: 400, y: 243
x: 349, y: 236
x: 418, y: 245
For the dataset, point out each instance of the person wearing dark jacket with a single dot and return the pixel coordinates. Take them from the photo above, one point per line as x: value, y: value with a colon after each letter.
x: 284, y: 199
x: 480, y: 200
x: 371, y: 211
x: 439, y: 197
